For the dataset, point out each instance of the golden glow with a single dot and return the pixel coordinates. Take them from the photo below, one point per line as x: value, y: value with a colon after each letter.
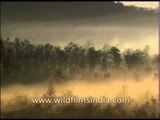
x: 142, y: 4
x: 137, y: 90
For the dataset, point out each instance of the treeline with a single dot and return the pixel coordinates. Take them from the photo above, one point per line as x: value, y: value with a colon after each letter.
x: 22, y: 61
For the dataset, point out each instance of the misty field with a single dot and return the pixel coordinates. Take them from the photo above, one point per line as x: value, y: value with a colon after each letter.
x: 43, y: 70
x: 16, y: 100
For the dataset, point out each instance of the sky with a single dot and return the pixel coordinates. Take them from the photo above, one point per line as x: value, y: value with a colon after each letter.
x: 100, y: 23
x: 143, y: 4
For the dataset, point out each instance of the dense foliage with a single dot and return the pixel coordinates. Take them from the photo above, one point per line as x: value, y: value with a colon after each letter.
x: 22, y: 61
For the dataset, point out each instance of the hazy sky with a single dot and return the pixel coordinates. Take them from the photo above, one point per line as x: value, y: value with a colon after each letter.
x: 98, y: 22
x: 143, y: 4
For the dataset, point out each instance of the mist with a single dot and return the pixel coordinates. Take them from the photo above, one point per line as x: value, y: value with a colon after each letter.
x: 79, y: 22
x: 55, y: 49
x: 114, y: 35
x: 117, y: 87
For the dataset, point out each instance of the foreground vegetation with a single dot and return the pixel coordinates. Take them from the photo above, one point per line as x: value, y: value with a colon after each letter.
x: 22, y: 107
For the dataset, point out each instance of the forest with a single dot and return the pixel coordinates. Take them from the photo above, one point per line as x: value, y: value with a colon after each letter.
x: 24, y: 62
x: 30, y: 64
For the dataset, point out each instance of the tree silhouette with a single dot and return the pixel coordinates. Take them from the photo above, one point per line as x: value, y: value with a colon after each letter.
x: 22, y: 61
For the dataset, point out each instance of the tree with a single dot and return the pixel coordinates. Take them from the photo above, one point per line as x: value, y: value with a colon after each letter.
x: 116, y: 56
x: 75, y: 55
x: 92, y: 57
x: 134, y: 59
